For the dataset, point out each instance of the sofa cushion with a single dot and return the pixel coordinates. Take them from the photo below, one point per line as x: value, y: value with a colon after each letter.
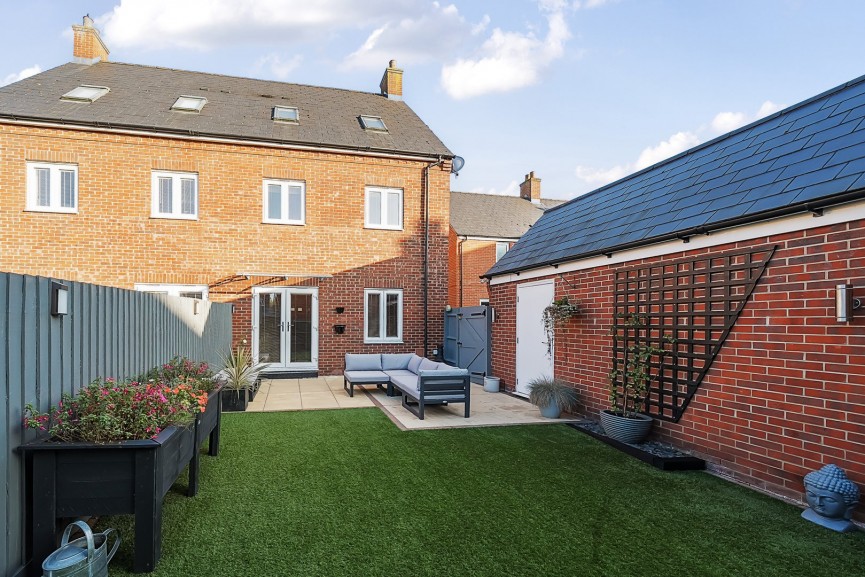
x: 445, y: 367
x: 356, y: 362
x: 449, y: 372
x: 405, y: 382
x: 399, y: 373
x: 366, y: 377
x: 414, y: 363
x: 395, y: 361
x: 427, y: 365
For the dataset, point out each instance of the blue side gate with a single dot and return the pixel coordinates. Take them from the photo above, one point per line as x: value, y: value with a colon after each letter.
x: 467, y: 340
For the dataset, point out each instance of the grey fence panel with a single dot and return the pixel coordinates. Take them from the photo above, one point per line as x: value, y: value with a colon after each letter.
x: 108, y: 332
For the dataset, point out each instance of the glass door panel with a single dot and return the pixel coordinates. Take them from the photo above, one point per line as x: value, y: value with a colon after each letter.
x: 270, y: 327
x: 300, y: 323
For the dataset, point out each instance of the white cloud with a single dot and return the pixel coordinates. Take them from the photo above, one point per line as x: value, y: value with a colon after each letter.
x: 588, y: 4
x: 481, y: 26
x: 438, y: 30
x: 511, y: 189
x: 723, y: 122
x: 276, y: 66
x: 16, y: 76
x: 509, y: 60
x: 727, y: 121
x: 206, y: 24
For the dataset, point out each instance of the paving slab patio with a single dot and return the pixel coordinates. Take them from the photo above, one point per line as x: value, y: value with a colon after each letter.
x: 326, y: 392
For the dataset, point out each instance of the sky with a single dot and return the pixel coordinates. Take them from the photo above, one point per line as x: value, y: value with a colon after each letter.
x: 582, y: 92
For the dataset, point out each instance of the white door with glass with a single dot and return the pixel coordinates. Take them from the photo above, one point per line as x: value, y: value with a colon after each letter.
x: 285, y: 328
x: 532, y: 359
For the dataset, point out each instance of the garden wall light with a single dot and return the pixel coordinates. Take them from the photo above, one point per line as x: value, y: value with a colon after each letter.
x: 845, y: 304
x: 59, y: 299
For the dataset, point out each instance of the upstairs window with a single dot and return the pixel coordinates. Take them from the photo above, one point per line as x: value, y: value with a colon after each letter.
x: 373, y: 123
x: 383, y: 315
x: 284, y: 202
x: 174, y: 195
x: 287, y: 114
x: 189, y: 104
x: 383, y: 208
x: 85, y: 93
x: 52, y: 187
x: 192, y: 291
x: 501, y: 249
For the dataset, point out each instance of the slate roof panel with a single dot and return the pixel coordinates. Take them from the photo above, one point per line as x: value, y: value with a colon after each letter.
x: 807, y: 153
x: 140, y: 98
x: 494, y: 216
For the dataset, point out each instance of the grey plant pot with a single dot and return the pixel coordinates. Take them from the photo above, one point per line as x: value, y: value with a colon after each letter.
x: 491, y: 384
x: 626, y: 429
x: 551, y: 411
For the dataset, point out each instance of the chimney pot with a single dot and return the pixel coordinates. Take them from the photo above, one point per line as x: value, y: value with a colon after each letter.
x: 391, y: 82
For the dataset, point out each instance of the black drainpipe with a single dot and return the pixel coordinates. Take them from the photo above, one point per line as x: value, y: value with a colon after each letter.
x: 426, y: 257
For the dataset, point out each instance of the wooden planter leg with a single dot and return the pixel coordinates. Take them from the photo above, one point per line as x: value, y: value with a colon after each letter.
x: 148, y: 514
x: 213, y: 444
x: 44, y: 511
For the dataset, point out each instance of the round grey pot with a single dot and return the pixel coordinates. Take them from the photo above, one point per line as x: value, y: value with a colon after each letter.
x: 551, y: 411
x: 491, y: 384
x: 626, y: 429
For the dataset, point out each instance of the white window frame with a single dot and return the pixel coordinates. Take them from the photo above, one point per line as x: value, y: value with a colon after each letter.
x: 173, y: 290
x: 177, y: 196
x: 382, y: 315
x: 54, y: 191
x: 384, y: 191
x: 284, y: 185
x: 484, y: 302
x: 499, y: 244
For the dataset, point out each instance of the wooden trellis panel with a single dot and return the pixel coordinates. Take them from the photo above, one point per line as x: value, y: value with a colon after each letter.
x: 696, y: 302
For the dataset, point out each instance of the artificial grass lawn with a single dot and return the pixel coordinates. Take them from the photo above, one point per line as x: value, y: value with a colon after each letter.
x: 345, y: 492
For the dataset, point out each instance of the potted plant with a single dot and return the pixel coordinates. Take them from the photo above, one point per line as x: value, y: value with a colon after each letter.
x: 241, y: 372
x: 552, y: 396
x: 625, y: 420
x: 555, y: 315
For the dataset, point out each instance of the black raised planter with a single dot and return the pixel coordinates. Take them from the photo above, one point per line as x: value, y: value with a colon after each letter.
x: 122, y: 478
x: 234, y: 401
x: 685, y: 463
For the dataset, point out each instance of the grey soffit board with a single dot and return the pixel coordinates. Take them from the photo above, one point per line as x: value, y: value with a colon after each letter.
x: 140, y: 97
x: 794, y: 160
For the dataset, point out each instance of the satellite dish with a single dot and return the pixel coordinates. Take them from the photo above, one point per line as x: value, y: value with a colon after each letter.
x: 457, y: 164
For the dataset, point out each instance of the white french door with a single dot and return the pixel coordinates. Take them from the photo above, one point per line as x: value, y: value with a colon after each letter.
x: 532, y: 359
x: 285, y: 327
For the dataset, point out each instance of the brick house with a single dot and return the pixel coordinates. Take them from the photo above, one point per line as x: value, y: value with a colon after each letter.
x: 735, y: 250
x: 483, y: 227
x: 320, y: 213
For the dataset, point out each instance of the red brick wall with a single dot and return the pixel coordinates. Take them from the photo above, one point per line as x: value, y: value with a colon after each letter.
x: 785, y: 395
x: 477, y: 256
x: 113, y: 241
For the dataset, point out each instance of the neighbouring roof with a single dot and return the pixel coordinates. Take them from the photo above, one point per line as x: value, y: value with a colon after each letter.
x: 140, y: 98
x: 495, y: 216
x: 802, y: 158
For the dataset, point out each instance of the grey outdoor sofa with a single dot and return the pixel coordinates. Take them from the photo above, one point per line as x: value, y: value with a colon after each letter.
x: 420, y: 381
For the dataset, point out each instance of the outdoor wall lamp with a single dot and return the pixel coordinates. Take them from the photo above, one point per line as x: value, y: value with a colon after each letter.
x: 59, y: 299
x: 845, y: 304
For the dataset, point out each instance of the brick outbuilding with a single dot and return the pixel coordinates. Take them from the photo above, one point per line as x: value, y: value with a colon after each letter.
x: 735, y: 250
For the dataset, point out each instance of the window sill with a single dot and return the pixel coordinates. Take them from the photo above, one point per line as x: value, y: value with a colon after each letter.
x: 50, y: 209
x: 374, y: 227
x: 161, y: 216
x: 383, y: 341
x: 285, y: 222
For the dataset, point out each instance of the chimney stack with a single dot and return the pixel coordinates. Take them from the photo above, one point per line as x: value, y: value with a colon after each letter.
x: 530, y: 189
x: 391, y: 82
x: 88, y: 47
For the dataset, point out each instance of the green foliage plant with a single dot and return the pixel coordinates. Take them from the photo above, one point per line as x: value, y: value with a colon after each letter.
x: 557, y: 314
x: 545, y: 391
x: 241, y: 369
x: 630, y: 382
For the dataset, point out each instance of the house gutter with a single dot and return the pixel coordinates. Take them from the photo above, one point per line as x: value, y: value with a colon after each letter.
x: 816, y: 207
x: 205, y: 137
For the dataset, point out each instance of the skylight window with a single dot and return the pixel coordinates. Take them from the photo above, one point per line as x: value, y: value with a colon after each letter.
x: 189, y: 104
x: 85, y: 93
x: 286, y: 114
x: 373, y: 123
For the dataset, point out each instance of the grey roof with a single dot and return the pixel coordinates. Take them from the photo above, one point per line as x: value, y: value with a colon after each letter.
x: 495, y: 216
x: 140, y: 97
x: 802, y: 158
